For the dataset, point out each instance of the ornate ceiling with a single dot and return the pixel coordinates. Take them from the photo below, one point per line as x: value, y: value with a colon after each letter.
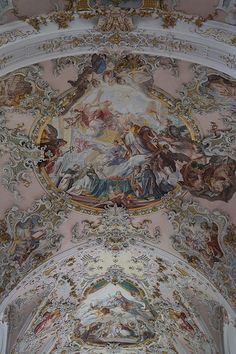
x: 118, y: 186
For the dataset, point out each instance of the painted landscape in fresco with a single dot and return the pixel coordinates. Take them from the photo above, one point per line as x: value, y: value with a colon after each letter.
x: 114, y: 314
x: 116, y: 141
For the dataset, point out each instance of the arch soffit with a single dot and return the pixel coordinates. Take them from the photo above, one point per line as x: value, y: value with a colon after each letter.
x: 210, y: 45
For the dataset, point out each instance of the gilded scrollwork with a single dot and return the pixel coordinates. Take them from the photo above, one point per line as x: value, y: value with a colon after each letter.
x: 23, y: 157
x: 12, y: 36
x: 218, y: 34
x: 85, y: 301
x: 113, y: 16
x: 112, y: 232
x: 29, y: 237
x: 205, y: 240
x: 114, y: 19
x: 106, y: 40
x: 113, y: 133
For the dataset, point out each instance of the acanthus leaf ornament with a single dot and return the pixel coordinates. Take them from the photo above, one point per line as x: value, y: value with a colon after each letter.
x: 115, y: 230
x: 29, y: 237
x: 162, y: 267
x: 203, y: 238
x: 24, y: 156
x: 114, y: 19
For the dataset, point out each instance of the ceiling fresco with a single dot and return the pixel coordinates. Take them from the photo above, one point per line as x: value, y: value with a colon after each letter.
x: 94, y: 299
x: 115, y: 312
x: 142, y: 145
x: 113, y: 135
x: 117, y: 177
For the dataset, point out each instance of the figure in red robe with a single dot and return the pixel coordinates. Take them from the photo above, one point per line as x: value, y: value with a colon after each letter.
x: 47, y: 320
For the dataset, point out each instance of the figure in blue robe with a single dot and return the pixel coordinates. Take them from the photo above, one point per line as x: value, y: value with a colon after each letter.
x: 98, y: 187
x: 101, y: 187
x: 149, y: 184
x: 98, y: 63
x: 117, y: 154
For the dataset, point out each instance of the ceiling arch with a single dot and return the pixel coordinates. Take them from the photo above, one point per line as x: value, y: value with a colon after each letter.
x: 75, y: 265
x: 183, y: 42
x: 117, y: 141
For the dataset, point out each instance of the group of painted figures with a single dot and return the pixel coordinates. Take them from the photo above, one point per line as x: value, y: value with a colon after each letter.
x: 142, y: 168
x: 144, y: 161
x: 146, y: 155
x: 115, y: 317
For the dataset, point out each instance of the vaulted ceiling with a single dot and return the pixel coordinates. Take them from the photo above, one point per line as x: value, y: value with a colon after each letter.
x: 118, y: 186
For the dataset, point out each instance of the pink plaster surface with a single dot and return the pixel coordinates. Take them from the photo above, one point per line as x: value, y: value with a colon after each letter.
x: 164, y: 79
x: 59, y: 82
x: 27, y: 195
x: 30, y: 8
x: 25, y: 119
x: 204, y: 121
x: 228, y: 208
x: 199, y: 7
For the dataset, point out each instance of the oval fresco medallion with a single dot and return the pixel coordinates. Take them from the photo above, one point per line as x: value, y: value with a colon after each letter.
x: 114, y: 140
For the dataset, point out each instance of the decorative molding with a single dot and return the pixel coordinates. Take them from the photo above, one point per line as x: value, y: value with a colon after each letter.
x: 23, y: 157
x: 230, y: 337
x: 149, y: 37
x: 219, y: 34
x: 114, y: 17
x: 4, y: 327
x: 85, y: 251
x: 14, y: 35
x: 203, y: 238
x: 22, y: 251
x: 115, y: 230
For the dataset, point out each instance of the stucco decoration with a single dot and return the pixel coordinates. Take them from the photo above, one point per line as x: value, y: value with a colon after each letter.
x: 205, y: 94
x: 81, y: 36
x: 19, y: 94
x: 94, y: 138
x: 28, y: 238
x: 112, y: 232
x: 95, y: 152
x: 23, y: 156
x: 205, y: 240
x: 117, y: 224
x: 82, y: 308
x: 114, y: 19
